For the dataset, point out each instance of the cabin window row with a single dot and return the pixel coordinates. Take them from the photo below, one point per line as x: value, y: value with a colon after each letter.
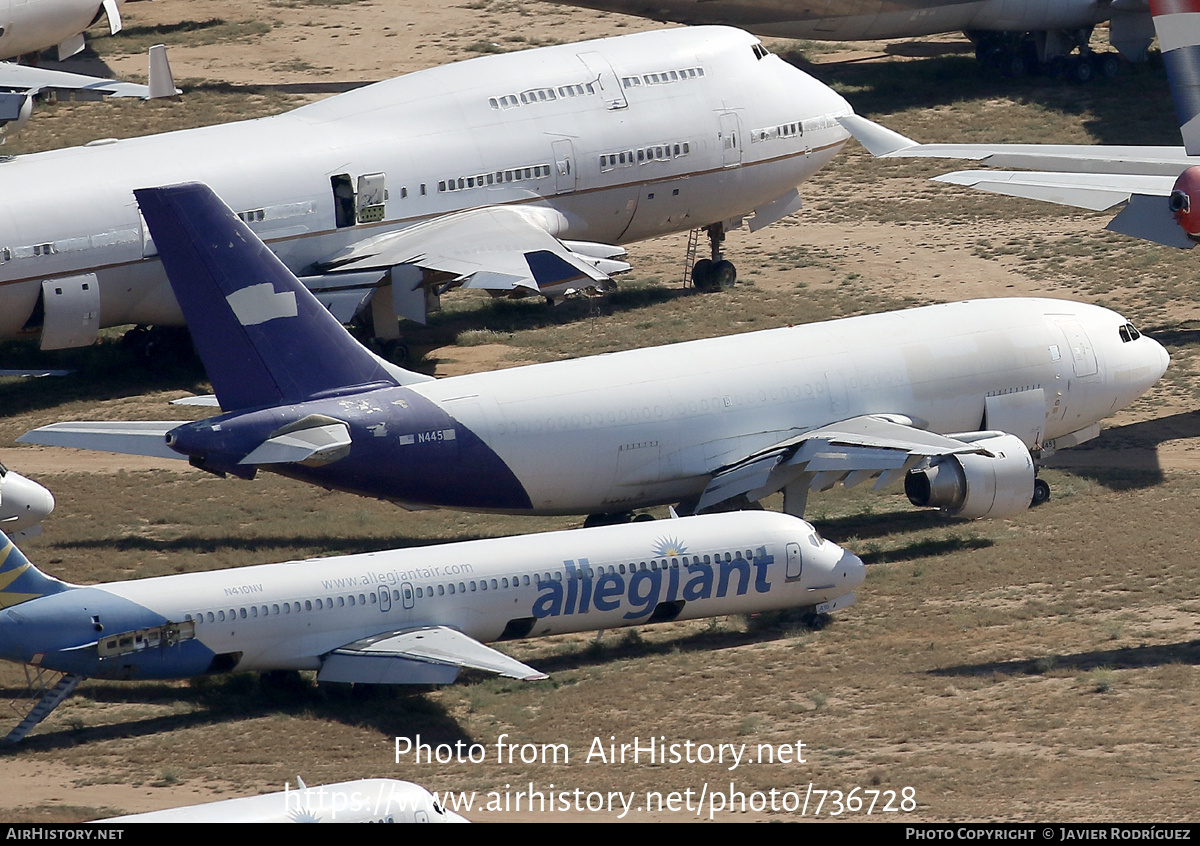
x: 662, y: 77
x: 644, y: 155
x: 277, y: 609
x: 500, y: 177
x: 542, y: 95
x: 770, y: 133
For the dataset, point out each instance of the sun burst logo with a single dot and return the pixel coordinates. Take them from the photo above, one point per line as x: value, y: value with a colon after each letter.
x: 669, y: 546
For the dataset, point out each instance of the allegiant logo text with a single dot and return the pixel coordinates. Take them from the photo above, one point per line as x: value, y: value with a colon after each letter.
x: 583, y: 589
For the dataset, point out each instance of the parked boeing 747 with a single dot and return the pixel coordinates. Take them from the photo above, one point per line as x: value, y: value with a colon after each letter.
x: 517, y: 173
x: 957, y: 399
x: 1016, y: 36
x: 415, y: 616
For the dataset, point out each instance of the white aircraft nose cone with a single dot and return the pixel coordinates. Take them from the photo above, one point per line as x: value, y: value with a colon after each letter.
x: 23, y: 503
x: 850, y: 572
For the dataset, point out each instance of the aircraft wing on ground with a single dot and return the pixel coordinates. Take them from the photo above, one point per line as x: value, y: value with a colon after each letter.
x: 426, y: 655
x: 855, y: 450
x: 1084, y: 176
x: 885, y: 143
x: 493, y: 247
x: 1094, y: 191
x: 19, y: 84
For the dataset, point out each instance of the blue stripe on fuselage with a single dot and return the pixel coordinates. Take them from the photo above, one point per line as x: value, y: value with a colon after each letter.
x: 404, y: 447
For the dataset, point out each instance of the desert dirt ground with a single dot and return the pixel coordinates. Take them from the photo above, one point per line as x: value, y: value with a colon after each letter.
x: 1043, y: 668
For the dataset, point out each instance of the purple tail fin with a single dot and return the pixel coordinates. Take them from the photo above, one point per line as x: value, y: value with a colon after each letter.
x: 263, y: 338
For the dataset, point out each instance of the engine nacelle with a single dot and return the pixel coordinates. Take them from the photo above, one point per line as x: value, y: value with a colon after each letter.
x: 1185, y: 202
x: 999, y: 484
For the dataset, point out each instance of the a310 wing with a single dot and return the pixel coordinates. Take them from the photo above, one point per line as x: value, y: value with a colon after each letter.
x: 850, y: 451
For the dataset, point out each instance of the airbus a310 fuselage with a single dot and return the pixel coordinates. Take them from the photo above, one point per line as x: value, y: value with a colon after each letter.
x: 522, y: 169
x: 967, y: 388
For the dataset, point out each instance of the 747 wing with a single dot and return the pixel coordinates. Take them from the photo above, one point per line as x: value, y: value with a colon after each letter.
x: 495, y: 248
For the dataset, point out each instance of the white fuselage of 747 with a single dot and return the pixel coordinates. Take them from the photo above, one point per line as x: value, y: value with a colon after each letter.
x: 593, y: 144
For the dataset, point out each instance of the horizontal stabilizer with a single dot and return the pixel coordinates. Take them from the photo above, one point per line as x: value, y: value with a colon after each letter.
x: 1151, y: 219
x: 1094, y: 191
x: 128, y: 438
x: 314, y: 445
x: 34, y: 80
x: 206, y: 400
x: 368, y: 660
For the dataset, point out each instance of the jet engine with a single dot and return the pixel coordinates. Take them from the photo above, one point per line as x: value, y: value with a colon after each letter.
x: 1185, y: 210
x: 996, y: 483
x: 15, y: 110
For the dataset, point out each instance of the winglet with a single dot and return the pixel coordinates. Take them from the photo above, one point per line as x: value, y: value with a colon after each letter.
x: 879, y: 140
x: 1177, y: 23
x: 162, y: 81
x: 263, y: 338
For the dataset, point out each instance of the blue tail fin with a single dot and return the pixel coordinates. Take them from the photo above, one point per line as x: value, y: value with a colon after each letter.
x: 263, y: 338
x: 20, y: 581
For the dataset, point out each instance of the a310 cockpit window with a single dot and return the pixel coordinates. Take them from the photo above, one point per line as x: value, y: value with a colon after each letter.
x: 760, y: 52
x: 1129, y: 333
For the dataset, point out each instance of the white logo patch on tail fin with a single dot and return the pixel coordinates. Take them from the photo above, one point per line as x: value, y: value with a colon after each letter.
x: 257, y: 304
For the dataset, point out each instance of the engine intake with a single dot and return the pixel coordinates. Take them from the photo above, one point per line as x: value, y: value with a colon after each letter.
x: 996, y: 484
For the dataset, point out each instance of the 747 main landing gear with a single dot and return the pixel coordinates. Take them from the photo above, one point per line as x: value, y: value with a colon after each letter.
x: 715, y: 274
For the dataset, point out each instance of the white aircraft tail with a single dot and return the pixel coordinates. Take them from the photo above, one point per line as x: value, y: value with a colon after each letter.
x: 162, y: 81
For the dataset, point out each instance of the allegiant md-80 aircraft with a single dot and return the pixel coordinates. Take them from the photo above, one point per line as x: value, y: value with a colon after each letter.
x: 415, y: 616
x: 516, y: 173
x: 957, y: 399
